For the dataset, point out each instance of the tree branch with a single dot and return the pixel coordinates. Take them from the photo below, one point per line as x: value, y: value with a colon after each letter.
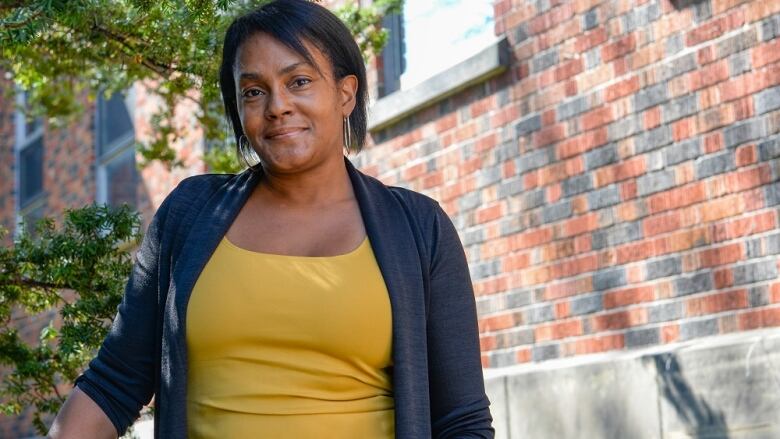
x: 31, y: 284
x: 20, y: 24
x: 158, y: 67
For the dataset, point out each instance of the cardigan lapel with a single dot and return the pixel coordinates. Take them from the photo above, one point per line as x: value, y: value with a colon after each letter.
x: 200, y: 240
x: 392, y: 239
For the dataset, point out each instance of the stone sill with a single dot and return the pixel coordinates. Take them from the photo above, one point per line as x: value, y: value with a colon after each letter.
x: 491, y: 61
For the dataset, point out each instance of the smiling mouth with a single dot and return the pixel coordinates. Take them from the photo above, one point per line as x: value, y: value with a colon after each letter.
x: 286, y: 135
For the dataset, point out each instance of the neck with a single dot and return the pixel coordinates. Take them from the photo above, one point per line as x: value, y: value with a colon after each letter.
x: 322, y: 185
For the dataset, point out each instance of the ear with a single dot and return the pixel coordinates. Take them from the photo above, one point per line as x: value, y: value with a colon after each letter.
x: 347, y: 89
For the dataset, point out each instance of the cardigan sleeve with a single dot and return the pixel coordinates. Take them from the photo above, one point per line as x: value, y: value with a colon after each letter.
x: 459, y: 405
x: 120, y: 379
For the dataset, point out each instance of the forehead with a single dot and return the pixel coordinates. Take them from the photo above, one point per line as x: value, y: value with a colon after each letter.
x: 262, y: 53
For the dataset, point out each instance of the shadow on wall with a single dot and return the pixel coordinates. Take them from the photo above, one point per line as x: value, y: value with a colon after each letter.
x: 699, y: 419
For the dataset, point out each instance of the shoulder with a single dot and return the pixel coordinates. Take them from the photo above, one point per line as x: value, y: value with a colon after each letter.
x: 190, y: 194
x: 198, y: 183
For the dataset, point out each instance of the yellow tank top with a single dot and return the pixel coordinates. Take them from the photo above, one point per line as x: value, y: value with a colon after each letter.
x: 289, y: 347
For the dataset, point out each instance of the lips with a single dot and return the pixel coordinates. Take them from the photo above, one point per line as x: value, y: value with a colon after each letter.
x: 285, y: 132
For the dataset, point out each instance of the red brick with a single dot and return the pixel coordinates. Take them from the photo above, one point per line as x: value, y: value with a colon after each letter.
x: 762, y: 9
x: 487, y: 342
x: 628, y: 190
x: 743, y: 108
x: 574, y: 266
x: 717, y: 302
x: 523, y: 355
x: 621, y: 89
x: 571, y: 88
x: 491, y: 286
x: 663, y: 223
x: 634, y: 251
x: 670, y: 333
x: 766, y: 53
x: 705, y: 55
x: 676, y: 197
x: 568, y: 288
x: 709, y: 75
x: 713, y: 142
x: 550, y: 19
x: 652, y: 118
x: 715, y: 28
x: 435, y: 178
x: 483, y: 106
x: 548, y: 135
x: 582, y: 244
x: 764, y: 318
x: 619, y: 48
x: 561, y: 170
x: 599, y: 343
x: 620, y: 67
x: 738, y: 228
x: 713, y: 257
x: 446, y: 123
x: 724, y: 278
x: 582, y: 224
x: 619, y: 319
x: 746, y: 155
x: 530, y: 238
x: 591, y: 39
x: 723, y: 207
x: 568, y: 69
x: 497, y: 322
x: 488, y: 213
x: 412, y: 172
x: 504, y: 116
x: 515, y: 261
x: 630, y: 168
x: 629, y: 296
x: 582, y: 143
x: 741, y: 86
x: 684, y: 128
x: 558, y: 330
x: 562, y: 310
x: 596, y: 118
x: 775, y: 293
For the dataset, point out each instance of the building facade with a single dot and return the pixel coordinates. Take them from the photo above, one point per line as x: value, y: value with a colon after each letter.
x: 612, y: 169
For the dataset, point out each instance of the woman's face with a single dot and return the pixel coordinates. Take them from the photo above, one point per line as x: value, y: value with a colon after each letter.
x: 291, y: 113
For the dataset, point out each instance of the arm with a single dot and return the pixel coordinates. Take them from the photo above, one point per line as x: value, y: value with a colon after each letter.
x: 459, y: 405
x: 80, y: 417
x: 120, y: 380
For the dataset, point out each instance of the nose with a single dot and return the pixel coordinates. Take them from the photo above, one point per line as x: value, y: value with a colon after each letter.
x: 278, y: 104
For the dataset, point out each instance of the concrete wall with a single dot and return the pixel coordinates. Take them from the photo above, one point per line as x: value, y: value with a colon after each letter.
x: 723, y: 387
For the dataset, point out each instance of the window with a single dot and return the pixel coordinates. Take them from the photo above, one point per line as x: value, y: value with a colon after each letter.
x: 392, y: 60
x: 117, y: 177
x: 28, y: 172
x: 433, y: 35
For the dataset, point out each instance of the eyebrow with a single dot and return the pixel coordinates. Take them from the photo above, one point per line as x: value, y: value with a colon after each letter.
x: 291, y: 67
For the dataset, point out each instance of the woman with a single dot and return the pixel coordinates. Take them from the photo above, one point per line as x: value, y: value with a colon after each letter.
x: 299, y: 298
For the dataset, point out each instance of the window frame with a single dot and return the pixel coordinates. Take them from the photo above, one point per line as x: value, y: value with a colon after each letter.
x: 22, y: 141
x: 118, y: 149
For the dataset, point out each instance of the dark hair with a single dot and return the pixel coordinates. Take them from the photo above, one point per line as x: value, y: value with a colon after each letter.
x: 290, y: 22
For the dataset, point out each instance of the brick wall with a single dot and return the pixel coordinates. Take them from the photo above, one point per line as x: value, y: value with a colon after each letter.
x: 616, y: 187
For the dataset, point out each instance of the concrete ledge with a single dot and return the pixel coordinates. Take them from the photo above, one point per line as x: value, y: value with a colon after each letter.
x: 490, y: 62
x: 722, y: 387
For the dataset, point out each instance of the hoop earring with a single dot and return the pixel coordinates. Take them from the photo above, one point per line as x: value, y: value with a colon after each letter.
x: 245, y: 150
x: 347, y: 133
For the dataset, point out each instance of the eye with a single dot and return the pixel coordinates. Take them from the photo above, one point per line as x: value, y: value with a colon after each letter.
x: 251, y: 93
x: 300, y: 82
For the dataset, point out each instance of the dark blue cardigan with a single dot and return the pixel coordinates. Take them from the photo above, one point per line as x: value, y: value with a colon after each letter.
x: 437, y: 375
